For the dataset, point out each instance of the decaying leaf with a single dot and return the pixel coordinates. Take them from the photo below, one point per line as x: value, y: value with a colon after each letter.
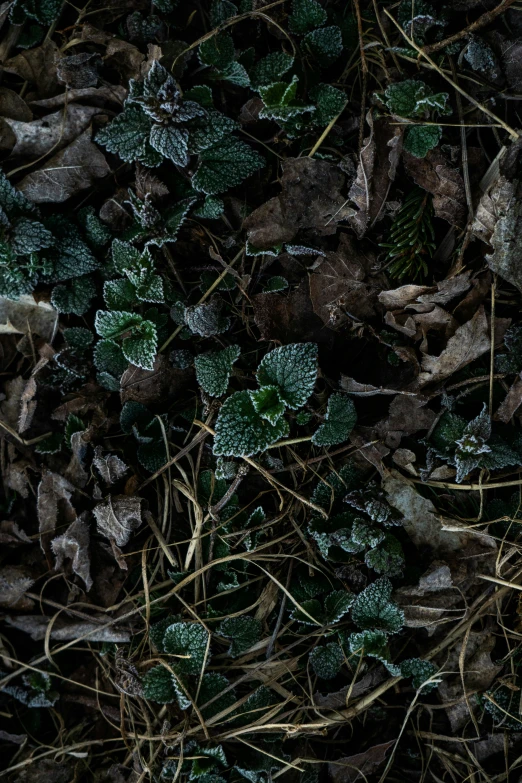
x: 27, y: 316
x: 511, y: 402
x: 54, y: 495
x: 12, y: 535
x: 14, y: 584
x: 51, y: 133
x: 27, y: 405
x: 72, y: 170
x: 407, y: 415
x: 311, y: 200
x: 118, y: 517
x: 470, y: 341
x: 435, y: 174
x: 110, y: 467
x: 64, y: 631
x: 73, y: 545
x: 353, y: 768
x: 434, y: 601
x: 378, y: 162
x: 152, y: 386
x: 339, y: 285
x: 37, y: 66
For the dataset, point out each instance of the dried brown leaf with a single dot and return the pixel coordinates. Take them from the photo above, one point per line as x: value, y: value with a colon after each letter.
x: 51, y: 133
x: 73, y: 545
x: 435, y: 174
x: 64, y: 631
x: 110, y: 467
x: 355, y: 768
x: 37, y: 66
x: 118, y: 517
x: 15, y: 581
x: 54, y: 495
x: 27, y: 316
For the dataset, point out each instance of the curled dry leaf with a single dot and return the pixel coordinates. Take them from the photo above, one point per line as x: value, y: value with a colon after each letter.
x: 470, y: 341
x: 378, y: 162
x: 54, y: 495
x: 27, y: 405
x: 14, y: 107
x: 434, y: 601
x: 119, y: 54
x: 36, y: 66
x: 337, y: 699
x: 73, y: 545
x: 110, y: 467
x: 354, y: 768
x: 153, y: 386
x: 73, y: 169
x: 118, y: 517
x: 76, y: 472
x: 15, y: 581
x: 12, y: 535
x: 27, y: 316
x: 435, y: 174
x: 51, y: 133
x: 511, y: 402
x: 112, y: 95
x: 406, y: 416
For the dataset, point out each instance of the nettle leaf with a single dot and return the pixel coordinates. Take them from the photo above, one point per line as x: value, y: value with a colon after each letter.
x: 329, y: 103
x: 218, y: 51
x: 220, y: 11
x: 43, y: 11
x: 387, y: 558
x: 280, y: 101
x: 327, y: 661
x: 413, y: 98
x: 420, y: 139
x: 119, y: 294
x: 268, y: 403
x: 128, y: 136
x: 159, y: 685
x: 306, y: 15
x: 108, y: 358
x: 213, y: 370
x: 226, y: 165
x: 141, y: 347
x: 212, y: 685
x: 373, y: 610
x: 339, y: 421
x: 181, y: 358
x: 187, y: 639
x: 97, y: 233
x: 336, y: 605
x: 324, y: 44
x: 276, y: 283
x: 236, y: 73
x: 511, y: 362
x: 171, y: 142
x: 13, y: 201
x: 270, y: 69
x: 28, y: 236
x: 371, y: 643
x: 211, y: 209
x: 157, y: 631
x: 366, y: 533
x: 243, y: 632
x: 116, y: 323
x: 293, y: 370
x: 241, y: 432
x: 74, y: 298
x: 69, y: 256
x: 218, y: 127
x: 207, y: 319
x: 419, y: 671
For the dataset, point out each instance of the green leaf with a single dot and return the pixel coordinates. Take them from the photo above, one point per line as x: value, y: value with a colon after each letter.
x: 329, y: 103
x: 243, y: 632
x: 186, y: 639
x: 207, y: 319
x: 128, y: 136
x: 276, y: 283
x: 220, y: 11
x: 171, y: 142
x: 371, y: 643
x: 241, y: 432
x: 280, y: 101
x: 511, y: 361
x: 387, y: 558
x: 74, y: 298
x: 257, y: 704
x: 236, y: 73
x: 29, y: 236
x: 116, y: 323
x: 327, y: 661
x: 202, y: 94
x: 216, y: 129
x: 159, y: 685
x: 218, y: 51
x: 50, y: 445
x: 270, y: 69
x: 157, y: 631
x: 306, y: 15
x: 373, y: 610
x: 96, y: 232
x: 267, y: 403
x: 78, y: 339
x: 119, y: 294
x: 420, y: 139
x: 108, y: 358
x: 325, y: 44
x: 419, y: 671
x: 293, y: 369
x: 340, y: 420
x: 43, y: 11
x: 212, y: 686
x: 213, y: 370
x: 72, y: 425
x: 69, y: 256
x: 211, y: 209
x: 225, y: 165
x: 413, y: 98
x: 141, y: 347
x: 13, y: 201
x: 336, y: 605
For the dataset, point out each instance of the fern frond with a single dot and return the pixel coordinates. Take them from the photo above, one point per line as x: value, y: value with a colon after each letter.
x: 412, y: 237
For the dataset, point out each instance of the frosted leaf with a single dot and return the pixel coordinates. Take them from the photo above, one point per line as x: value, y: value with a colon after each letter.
x: 225, y: 166
x: 28, y: 236
x: 128, y: 136
x: 190, y: 642
x: 12, y: 201
x: 326, y: 661
x: 293, y: 369
x: 268, y: 403
x: 69, y: 256
x: 159, y: 685
x: 117, y: 517
x: 241, y: 432
x: 171, y: 142
x: 110, y: 467
x: 306, y: 15
x: 280, y: 101
x: 325, y: 44
x: 213, y: 370
x: 329, y: 103
x: 218, y: 126
x: 243, y: 632
x: 218, y: 50
x: 419, y: 671
x: 340, y: 420
x: 119, y: 294
x: 141, y: 346
x: 373, y: 609
x: 211, y: 209
x: 116, y: 323
x: 387, y: 558
x: 212, y: 686
x: 109, y: 358
x: 207, y: 319
x: 270, y: 69
x: 276, y: 283
x: 420, y: 139
x: 43, y: 11
x: 413, y: 98
x: 75, y: 297
x: 74, y: 545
